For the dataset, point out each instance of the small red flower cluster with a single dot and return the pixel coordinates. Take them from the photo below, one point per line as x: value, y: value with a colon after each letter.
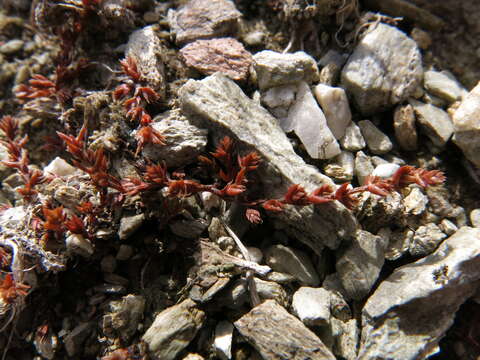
x: 18, y: 158
x: 138, y: 96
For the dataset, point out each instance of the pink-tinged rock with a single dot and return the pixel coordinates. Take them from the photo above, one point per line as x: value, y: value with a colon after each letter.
x: 225, y: 55
x: 203, y: 19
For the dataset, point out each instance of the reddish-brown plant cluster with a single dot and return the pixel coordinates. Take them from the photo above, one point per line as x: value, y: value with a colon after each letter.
x: 137, y: 96
x: 10, y: 290
x: 231, y: 172
x: 56, y: 223
x: 18, y: 158
x: 93, y: 162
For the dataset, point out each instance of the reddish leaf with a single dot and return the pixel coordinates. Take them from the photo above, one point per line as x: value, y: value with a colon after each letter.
x: 253, y: 216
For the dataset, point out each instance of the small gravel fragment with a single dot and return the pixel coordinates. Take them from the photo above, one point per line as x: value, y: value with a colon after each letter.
x: 223, y: 340
x: 291, y: 261
x: 312, y: 305
x: 124, y: 252
x: 130, y: 224
x: 353, y: 139
x: 475, y: 218
x: 404, y: 126
x: 442, y: 84
x: 11, y: 47
x: 363, y: 167
x: 426, y: 239
x: 274, y: 69
x: 226, y: 55
x: 342, y: 166
x: 377, y: 141
x: 434, y: 121
x: 334, y: 103
x: 173, y: 329
x: 466, y: 121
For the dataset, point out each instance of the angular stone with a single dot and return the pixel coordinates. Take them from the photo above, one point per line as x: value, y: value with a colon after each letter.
x: 75, y: 339
x: 60, y: 167
x: 448, y: 227
x: 359, y: 265
x: 274, y: 68
x: 434, y: 121
x: 276, y: 334
x: 377, y: 141
x: 307, y: 120
x: 294, y: 262
x: 124, y: 317
x: 173, y: 329
x: 426, y: 239
x: 342, y: 166
x: 363, y: 167
x: 184, y: 141
x: 466, y: 122
x: 398, y: 244
x: 223, y: 340
x: 334, y: 103
x: 385, y: 169
x: 144, y: 46
x: 442, y: 84
x: 312, y: 305
x: 346, y: 335
x: 279, y: 96
x: 226, y: 55
x: 353, y: 139
x: 218, y: 103
x: 404, y: 126
x: 411, y: 310
x: 203, y: 19
x: 475, y: 218
x: 384, y: 69
x: 130, y: 224
x: 415, y: 202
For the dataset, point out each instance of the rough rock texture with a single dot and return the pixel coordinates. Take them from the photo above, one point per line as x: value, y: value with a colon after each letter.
x: 144, y: 46
x: 334, y: 103
x: 442, y: 84
x: 291, y: 261
x: 219, y: 103
x: 276, y: 334
x: 404, y: 126
x: 342, y: 166
x: 434, y: 122
x: 363, y: 167
x: 426, y: 239
x: 226, y: 55
x: 353, y: 139
x: 384, y: 69
x: 124, y: 317
x: 274, y: 69
x: 466, y: 122
x: 377, y: 141
x: 359, y: 265
x: 203, y: 19
x: 184, y: 141
x: 411, y: 310
x: 173, y: 329
x: 312, y: 305
x: 307, y: 120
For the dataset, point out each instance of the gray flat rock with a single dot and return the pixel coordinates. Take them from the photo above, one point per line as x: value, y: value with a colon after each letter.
x: 411, y: 310
x: 173, y: 329
x: 276, y: 334
x: 434, y: 122
x: 203, y: 19
x: 384, y: 69
x: 359, y: 265
x: 218, y: 103
x: 275, y: 69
